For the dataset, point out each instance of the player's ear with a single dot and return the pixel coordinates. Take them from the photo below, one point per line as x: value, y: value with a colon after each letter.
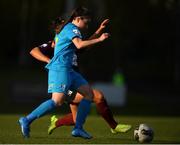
x: 78, y: 19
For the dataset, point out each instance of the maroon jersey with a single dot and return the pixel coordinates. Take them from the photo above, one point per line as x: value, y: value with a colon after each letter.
x: 47, y: 49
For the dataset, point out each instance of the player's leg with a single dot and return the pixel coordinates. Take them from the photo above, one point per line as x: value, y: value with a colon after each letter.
x: 82, y: 112
x: 47, y: 106
x: 67, y: 120
x: 41, y: 110
x: 104, y: 110
x: 85, y: 90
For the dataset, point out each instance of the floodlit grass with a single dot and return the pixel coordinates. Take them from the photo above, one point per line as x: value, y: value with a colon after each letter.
x: 166, y: 129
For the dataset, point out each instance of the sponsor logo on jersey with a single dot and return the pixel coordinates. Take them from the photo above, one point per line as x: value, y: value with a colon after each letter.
x: 76, y: 31
x: 44, y: 45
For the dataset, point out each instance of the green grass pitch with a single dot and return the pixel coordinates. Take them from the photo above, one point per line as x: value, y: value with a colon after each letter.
x: 166, y: 129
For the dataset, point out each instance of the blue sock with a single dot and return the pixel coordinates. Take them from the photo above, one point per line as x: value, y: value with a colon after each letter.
x: 83, y: 111
x: 41, y: 110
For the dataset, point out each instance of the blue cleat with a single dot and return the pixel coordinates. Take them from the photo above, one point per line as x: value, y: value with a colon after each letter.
x: 24, y: 124
x: 77, y: 132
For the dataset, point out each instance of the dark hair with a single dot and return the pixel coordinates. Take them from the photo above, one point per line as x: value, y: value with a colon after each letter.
x: 78, y: 12
x: 57, y: 24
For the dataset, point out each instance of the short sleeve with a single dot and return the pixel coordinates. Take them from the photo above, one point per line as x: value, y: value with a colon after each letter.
x: 73, y: 32
x: 45, y: 47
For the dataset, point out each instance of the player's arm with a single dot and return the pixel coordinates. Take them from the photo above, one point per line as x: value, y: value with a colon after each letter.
x: 79, y: 43
x: 100, y: 29
x: 36, y: 53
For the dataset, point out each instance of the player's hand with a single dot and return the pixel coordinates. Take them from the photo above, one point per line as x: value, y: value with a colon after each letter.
x: 104, y: 36
x: 104, y: 23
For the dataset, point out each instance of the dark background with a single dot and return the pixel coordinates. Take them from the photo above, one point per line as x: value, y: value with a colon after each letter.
x: 144, y: 44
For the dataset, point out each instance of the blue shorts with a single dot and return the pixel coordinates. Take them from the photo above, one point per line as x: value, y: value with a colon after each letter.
x: 62, y: 81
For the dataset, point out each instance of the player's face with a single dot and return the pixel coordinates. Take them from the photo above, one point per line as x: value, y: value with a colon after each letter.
x: 84, y: 22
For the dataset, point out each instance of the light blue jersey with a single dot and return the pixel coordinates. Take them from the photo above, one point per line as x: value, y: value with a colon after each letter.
x: 64, y: 48
x: 61, y: 75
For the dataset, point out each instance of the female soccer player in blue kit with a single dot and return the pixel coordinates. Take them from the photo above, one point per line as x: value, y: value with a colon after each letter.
x: 62, y: 77
x: 44, y: 53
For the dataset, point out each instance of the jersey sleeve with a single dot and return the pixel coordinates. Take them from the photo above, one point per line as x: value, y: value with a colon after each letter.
x: 73, y: 32
x: 46, y: 49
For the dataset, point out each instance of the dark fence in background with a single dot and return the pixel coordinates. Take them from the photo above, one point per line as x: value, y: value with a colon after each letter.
x: 144, y: 42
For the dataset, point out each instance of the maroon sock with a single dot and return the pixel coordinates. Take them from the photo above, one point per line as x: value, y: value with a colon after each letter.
x: 106, y: 113
x: 67, y: 120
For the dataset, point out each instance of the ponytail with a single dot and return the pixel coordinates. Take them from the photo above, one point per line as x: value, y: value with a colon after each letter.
x: 57, y: 24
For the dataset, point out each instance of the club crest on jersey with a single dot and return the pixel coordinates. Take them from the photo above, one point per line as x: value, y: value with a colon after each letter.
x: 76, y: 31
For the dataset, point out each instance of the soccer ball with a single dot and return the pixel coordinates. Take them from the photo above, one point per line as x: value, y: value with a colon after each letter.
x: 143, y: 134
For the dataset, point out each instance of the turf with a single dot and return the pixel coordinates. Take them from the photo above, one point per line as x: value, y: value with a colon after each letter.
x: 167, y: 130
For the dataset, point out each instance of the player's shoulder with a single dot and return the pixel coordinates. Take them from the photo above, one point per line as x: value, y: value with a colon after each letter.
x: 70, y: 26
x: 74, y: 29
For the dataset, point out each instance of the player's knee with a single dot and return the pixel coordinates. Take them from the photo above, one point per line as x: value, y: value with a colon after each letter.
x: 98, y: 96
x: 58, y: 99
x: 86, y: 92
x: 57, y: 102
